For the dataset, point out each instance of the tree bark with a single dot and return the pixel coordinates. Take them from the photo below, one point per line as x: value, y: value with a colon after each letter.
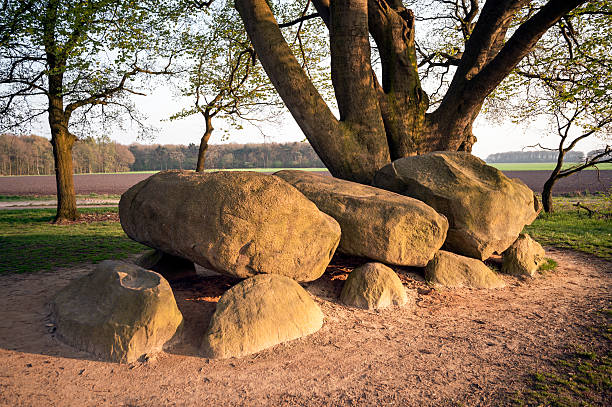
x: 62, y: 141
x: 379, y: 123
x: 200, y: 166
x: 403, y: 101
x: 347, y: 152
x: 547, y: 202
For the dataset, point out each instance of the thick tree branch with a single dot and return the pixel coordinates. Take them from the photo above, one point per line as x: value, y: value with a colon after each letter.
x: 331, y: 140
x: 350, y: 64
x: 322, y: 7
x: 492, y: 24
x: 519, y: 45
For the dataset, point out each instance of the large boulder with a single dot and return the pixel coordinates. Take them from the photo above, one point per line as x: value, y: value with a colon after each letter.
x: 258, y: 313
x: 376, y: 224
x: 118, y: 312
x: 451, y: 270
x: 237, y: 223
x: 524, y: 257
x: 486, y: 210
x: 373, y: 286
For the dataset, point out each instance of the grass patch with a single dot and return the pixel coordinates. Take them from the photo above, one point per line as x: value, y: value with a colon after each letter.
x: 550, y: 265
x: 30, y: 243
x: 571, y: 228
x: 582, y: 377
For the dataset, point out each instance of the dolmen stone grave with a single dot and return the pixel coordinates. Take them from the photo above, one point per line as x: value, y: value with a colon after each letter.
x: 443, y: 212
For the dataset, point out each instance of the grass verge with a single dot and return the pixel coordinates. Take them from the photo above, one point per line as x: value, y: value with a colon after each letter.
x: 574, y: 230
x: 28, y: 242
x: 570, y: 227
x: 581, y: 377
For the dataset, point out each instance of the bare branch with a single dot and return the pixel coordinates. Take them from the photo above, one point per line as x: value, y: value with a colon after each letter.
x: 299, y: 20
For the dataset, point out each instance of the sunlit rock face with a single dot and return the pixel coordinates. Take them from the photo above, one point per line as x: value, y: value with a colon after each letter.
x: 373, y: 286
x: 486, y: 210
x: 524, y: 257
x: 258, y: 313
x: 237, y: 223
x: 450, y: 270
x: 376, y: 224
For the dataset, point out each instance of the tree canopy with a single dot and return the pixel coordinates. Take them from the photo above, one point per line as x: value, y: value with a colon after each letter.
x: 74, y: 61
x: 384, y: 119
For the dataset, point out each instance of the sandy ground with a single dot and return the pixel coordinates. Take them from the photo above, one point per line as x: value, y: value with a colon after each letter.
x: 589, y: 181
x: 460, y: 347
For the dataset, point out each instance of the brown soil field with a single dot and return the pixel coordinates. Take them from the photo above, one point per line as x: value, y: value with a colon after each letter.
x: 448, y: 348
x: 585, y: 181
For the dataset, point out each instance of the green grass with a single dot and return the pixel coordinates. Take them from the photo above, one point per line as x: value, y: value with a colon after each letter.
x: 539, y: 166
x: 28, y: 242
x: 581, y: 377
x: 549, y: 265
x: 571, y: 228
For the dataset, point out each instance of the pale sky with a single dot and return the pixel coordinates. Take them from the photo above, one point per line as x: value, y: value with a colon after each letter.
x: 161, y: 103
x: 492, y: 138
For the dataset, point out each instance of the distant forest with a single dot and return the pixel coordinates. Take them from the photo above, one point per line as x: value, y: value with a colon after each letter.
x: 541, y: 156
x: 33, y: 155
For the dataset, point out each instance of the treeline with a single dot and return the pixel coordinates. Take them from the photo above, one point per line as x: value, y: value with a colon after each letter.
x: 33, y: 155
x: 534, y: 157
x: 270, y: 155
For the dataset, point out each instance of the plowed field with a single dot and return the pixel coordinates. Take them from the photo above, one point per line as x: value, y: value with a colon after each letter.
x: 585, y: 181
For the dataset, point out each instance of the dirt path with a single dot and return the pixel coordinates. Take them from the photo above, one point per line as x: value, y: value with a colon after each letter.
x: 464, y: 346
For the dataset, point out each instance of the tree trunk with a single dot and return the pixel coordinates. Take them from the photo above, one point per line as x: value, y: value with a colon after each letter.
x: 62, y: 141
x: 547, y: 201
x: 346, y: 148
x: 204, y: 143
x: 379, y: 123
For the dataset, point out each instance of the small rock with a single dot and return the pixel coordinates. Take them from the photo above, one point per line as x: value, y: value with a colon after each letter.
x: 118, y: 312
x: 373, y: 286
x: 524, y: 257
x: 454, y: 271
x: 260, y: 312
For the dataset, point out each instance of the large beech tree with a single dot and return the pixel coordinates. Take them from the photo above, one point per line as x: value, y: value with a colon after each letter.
x: 73, y: 60
x: 389, y: 118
